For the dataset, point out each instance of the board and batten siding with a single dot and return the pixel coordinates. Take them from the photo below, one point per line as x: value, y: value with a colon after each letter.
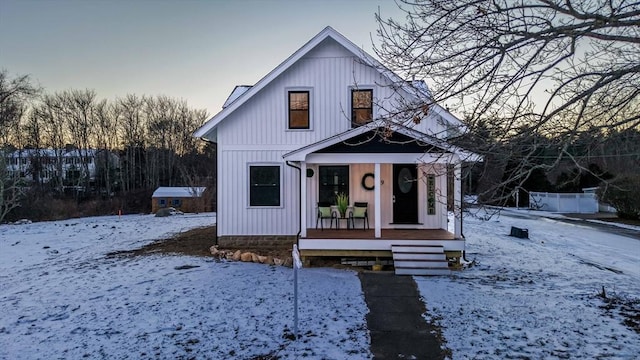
x: 257, y: 133
x: 329, y: 73
x: 236, y: 216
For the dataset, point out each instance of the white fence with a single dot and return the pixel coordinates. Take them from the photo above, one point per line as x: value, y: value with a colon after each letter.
x: 584, y: 203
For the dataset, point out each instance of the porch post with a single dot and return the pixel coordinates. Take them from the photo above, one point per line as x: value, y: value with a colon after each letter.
x: 457, y: 199
x: 303, y: 199
x: 377, y: 203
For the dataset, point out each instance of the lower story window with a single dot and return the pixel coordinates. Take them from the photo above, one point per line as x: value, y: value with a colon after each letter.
x: 333, y: 180
x: 264, y: 185
x: 162, y: 202
x: 176, y: 202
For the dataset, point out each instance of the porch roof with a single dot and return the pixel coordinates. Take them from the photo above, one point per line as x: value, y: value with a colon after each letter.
x: 410, y: 146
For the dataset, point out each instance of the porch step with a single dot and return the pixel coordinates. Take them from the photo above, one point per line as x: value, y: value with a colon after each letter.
x: 420, y: 260
x: 422, y: 272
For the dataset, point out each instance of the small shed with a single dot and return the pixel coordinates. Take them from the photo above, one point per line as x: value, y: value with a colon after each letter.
x: 185, y: 199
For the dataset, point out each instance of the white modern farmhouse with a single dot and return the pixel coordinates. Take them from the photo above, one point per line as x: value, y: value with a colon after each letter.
x: 331, y: 123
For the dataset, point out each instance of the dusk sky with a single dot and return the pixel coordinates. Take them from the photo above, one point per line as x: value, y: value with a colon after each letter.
x: 195, y: 50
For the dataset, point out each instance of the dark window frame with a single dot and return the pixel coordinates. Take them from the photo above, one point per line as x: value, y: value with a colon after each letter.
x: 263, y: 193
x: 292, y: 112
x: 327, y: 185
x: 355, y: 110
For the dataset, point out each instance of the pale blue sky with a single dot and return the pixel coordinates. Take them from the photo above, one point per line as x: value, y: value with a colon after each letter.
x: 196, y: 50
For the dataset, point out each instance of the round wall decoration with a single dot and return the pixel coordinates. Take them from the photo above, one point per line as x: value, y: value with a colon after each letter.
x: 405, y: 180
x: 368, y: 184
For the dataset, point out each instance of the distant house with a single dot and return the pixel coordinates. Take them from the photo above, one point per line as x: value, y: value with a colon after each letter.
x: 185, y: 199
x: 331, y: 120
x: 69, y: 166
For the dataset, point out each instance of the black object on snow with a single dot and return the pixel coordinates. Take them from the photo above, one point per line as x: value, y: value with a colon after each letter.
x: 519, y: 233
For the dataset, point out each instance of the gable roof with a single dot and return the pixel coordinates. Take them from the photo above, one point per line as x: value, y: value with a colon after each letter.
x: 351, y: 134
x: 178, y: 192
x: 327, y: 32
x: 235, y: 94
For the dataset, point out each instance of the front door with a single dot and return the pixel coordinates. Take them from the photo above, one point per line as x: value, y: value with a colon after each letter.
x: 405, y: 194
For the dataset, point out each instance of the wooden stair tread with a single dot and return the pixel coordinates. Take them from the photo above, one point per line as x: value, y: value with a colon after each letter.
x: 420, y: 260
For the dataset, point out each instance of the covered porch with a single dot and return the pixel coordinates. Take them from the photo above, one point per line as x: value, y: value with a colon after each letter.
x: 407, y: 180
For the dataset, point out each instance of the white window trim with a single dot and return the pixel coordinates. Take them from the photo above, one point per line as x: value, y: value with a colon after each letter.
x: 248, y: 186
x: 311, y: 106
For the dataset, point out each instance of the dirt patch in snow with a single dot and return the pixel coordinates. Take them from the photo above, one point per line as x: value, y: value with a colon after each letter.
x: 194, y: 242
x: 628, y: 308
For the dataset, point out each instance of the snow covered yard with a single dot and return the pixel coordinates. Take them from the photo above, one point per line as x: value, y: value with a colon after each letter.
x: 62, y: 298
x: 538, y: 298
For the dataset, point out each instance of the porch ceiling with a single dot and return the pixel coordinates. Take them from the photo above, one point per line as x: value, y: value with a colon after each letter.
x: 373, y: 158
x: 366, y: 139
x: 373, y: 141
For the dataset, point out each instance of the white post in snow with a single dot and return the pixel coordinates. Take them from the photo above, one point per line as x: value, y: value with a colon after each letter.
x: 297, y: 264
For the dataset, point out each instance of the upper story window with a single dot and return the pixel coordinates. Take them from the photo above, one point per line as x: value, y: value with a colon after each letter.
x: 361, y: 107
x: 298, y: 110
x: 264, y: 185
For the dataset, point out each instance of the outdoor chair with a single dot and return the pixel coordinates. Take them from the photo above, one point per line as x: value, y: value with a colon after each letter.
x: 324, y: 212
x: 360, y: 212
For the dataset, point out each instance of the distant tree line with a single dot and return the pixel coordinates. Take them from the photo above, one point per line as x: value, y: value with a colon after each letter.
x: 596, y: 158
x: 150, y: 136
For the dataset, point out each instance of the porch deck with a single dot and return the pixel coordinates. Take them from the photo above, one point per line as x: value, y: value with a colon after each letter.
x: 386, y: 234
x: 354, y: 242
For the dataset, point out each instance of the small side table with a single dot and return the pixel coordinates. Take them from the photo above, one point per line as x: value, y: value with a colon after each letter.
x: 334, y: 210
x: 343, y: 218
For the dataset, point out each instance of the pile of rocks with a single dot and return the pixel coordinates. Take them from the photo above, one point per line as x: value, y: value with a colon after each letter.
x: 239, y: 255
x: 21, y: 222
x: 168, y: 212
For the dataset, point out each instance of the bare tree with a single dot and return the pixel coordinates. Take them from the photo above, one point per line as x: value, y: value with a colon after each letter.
x: 161, y: 114
x: 15, y: 95
x: 11, y: 191
x: 171, y: 124
x: 132, y: 134
x: 106, y: 139
x: 79, y: 109
x: 540, y: 71
x: 49, y: 115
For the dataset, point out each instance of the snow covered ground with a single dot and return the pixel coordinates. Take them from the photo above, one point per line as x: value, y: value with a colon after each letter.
x: 62, y: 298
x: 537, y: 298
